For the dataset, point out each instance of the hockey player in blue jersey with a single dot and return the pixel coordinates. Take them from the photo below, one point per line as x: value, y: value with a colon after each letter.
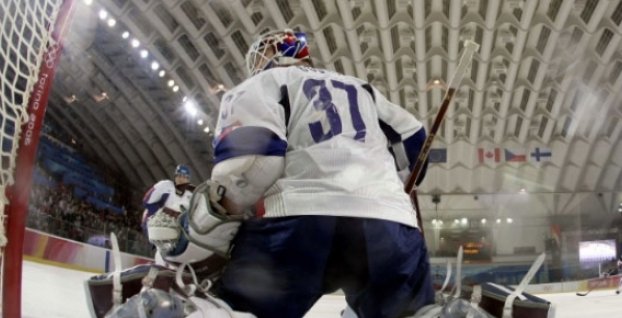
x: 321, y: 148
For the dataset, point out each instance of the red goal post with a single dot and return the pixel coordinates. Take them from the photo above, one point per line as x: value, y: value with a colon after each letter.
x: 30, y: 48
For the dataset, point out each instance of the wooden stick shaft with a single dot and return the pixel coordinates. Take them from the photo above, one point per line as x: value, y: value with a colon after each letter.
x: 469, y: 49
x: 427, y: 145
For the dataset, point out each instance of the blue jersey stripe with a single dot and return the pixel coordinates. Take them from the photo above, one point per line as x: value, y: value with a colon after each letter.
x: 153, y: 207
x: 249, y: 140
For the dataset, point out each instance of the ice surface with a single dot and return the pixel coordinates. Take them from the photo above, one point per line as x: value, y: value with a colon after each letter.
x: 51, y: 292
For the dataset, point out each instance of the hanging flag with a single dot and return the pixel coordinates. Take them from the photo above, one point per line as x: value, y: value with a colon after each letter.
x: 437, y: 155
x: 541, y: 154
x: 488, y: 155
x: 514, y: 157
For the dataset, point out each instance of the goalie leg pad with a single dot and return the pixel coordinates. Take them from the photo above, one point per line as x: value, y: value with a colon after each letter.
x: 215, y: 308
x: 207, y: 263
x: 99, y: 288
x: 525, y: 305
x: 152, y: 303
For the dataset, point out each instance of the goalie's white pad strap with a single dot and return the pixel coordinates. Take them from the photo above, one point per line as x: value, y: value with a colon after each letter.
x: 458, y: 279
x: 117, y: 290
x: 509, y: 301
x: 247, y: 178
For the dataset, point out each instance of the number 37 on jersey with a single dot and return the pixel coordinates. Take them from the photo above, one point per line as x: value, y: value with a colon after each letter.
x: 318, y: 91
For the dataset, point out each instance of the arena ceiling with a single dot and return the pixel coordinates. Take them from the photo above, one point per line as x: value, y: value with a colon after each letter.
x: 540, y: 109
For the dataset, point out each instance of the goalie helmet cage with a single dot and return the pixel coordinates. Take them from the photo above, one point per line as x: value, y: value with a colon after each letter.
x: 30, y: 47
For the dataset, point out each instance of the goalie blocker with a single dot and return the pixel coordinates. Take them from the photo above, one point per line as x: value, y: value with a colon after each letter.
x: 200, y: 236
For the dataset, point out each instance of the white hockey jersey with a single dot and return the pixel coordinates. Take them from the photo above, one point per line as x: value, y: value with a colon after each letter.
x: 333, y: 131
x: 165, y: 194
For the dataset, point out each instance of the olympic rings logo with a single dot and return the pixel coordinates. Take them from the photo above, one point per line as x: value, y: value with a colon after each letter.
x: 51, y: 55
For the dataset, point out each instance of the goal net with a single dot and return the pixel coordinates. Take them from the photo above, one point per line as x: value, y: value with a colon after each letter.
x: 25, y: 36
x: 29, y: 50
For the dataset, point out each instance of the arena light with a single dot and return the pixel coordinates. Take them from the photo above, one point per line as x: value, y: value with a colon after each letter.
x: 509, y: 220
x: 88, y: 2
x: 144, y: 53
x: 498, y: 221
x: 162, y: 73
x: 135, y: 43
x: 206, y: 130
x: 112, y: 22
x: 175, y: 88
x: 103, y: 14
x: 200, y: 122
x: 170, y: 83
x: 155, y: 65
x: 190, y: 108
x: 125, y: 35
x: 437, y: 223
x: 484, y: 221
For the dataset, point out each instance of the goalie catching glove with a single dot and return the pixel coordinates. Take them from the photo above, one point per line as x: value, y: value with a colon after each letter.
x: 201, y: 235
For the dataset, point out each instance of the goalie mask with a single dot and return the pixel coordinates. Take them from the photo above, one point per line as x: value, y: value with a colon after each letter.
x: 277, y: 48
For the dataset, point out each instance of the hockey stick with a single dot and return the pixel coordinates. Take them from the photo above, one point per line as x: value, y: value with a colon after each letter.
x: 590, y: 290
x: 470, y: 48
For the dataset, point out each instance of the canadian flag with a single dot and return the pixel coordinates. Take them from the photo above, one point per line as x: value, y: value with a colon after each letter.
x: 487, y: 155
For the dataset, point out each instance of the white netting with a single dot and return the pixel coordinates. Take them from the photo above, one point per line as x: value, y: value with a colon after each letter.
x: 24, y: 38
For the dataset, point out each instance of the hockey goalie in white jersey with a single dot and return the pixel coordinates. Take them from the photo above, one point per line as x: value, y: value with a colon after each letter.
x: 321, y: 149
